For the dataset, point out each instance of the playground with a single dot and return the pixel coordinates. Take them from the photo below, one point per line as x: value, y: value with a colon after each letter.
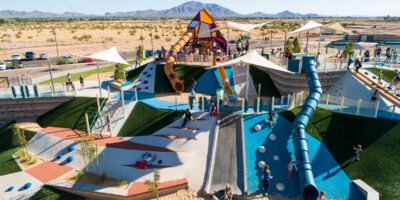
x: 220, y: 119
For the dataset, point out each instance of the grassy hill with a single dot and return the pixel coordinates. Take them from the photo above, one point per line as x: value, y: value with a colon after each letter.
x: 380, y: 138
x: 145, y: 120
x: 8, y: 146
x: 71, y: 114
x: 183, y: 72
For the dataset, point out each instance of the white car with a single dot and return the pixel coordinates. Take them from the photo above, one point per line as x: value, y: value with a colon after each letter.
x: 2, y: 65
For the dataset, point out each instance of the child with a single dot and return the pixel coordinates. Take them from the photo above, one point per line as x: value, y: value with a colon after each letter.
x: 266, y: 177
x: 271, y: 118
x: 290, y: 167
x: 357, y: 150
x: 226, y: 104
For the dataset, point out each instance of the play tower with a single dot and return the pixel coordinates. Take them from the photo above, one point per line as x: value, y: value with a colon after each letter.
x: 199, y: 39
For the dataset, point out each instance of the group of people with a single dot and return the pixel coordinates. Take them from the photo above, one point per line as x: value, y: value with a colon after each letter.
x: 390, y: 54
x: 242, y: 46
x: 70, y: 84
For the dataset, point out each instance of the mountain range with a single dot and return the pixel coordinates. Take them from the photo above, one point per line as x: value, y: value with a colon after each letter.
x: 185, y: 10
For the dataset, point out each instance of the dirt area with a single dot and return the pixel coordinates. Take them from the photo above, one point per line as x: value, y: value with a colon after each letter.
x: 92, y: 179
x: 82, y: 37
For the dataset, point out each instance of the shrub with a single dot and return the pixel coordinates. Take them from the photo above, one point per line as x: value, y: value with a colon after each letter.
x: 50, y: 40
x: 296, y: 46
x: 156, y: 37
x: 119, y: 73
x: 168, y: 39
x: 122, y: 183
x: 62, y: 61
x: 103, y: 176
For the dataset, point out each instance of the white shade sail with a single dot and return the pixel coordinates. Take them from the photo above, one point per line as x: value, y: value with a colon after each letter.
x: 236, y: 26
x: 337, y: 27
x: 253, y: 58
x: 110, y: 55
x: 363, y: 45
x: 307, y: 27
x: 314, y: 25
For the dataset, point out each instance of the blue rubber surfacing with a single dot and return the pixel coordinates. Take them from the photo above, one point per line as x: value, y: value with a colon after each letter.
x: 329, y: 177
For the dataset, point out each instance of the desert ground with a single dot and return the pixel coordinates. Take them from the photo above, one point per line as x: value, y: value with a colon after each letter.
x: 90, y: 36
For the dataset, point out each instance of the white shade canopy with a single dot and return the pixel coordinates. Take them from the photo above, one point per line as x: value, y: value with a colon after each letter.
x: 363, y: 45
x: 110, y: 55
x: 314, y: 25
x: 307, y: 27
x: 237, y: 26
x: 253, y: 58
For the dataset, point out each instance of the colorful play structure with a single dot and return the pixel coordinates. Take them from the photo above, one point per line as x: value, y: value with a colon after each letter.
x: 200, y: 38
x: 246, y: 135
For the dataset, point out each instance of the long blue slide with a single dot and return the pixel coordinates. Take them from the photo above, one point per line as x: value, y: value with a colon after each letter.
x: 306, y: 178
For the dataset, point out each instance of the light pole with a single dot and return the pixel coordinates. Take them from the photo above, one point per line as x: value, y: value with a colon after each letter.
x: 98, y: 76
x: 51, y: 74
x: 55, y: 40
x: 152, y: 46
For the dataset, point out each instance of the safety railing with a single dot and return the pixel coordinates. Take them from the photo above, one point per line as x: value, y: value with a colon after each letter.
x: 32, y: 91
x: 349, y: 106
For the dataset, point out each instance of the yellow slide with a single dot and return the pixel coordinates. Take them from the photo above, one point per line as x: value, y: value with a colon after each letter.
x: 225, y: 83
x: 169, y: 65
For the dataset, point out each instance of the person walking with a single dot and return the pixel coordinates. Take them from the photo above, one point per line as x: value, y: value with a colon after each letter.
x: 357, y: 150
x: 82, y: 82
x: 396, y: 81
x: 271, y: 118
x: 266, y: 178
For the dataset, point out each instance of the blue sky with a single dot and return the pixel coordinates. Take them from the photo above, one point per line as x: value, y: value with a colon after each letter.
x: 326, y: 7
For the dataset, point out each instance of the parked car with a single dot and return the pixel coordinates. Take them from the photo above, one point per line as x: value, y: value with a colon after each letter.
x: 2, y: 65
x: 43, y: 56
x: 15, y: 57
x: 29, y: 55
x: 87, y: 60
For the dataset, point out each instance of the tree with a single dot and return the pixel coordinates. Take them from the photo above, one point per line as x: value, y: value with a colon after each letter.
x: 153, y: 184
x: 87, y: 151
x: 289, y: 46
x: 296, y: 45
x: 119, y: 73
x: 140, y: 52
x: 20, y: 133
x: 347, y: 50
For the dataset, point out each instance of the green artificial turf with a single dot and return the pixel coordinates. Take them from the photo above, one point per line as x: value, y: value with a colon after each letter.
x: 268, y: 88
x: 133, y: 74
x: 184, y: 72
x: 48, y: 193
x: 145, y: 120
x: 8, y: 146
x: 71, y: 114
x: 379, y: 165
x: 75, y: 77
x: 387, y: 75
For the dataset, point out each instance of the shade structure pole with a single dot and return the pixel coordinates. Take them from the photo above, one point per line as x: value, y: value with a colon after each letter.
x: 152, y: 46
x: 308, y: 34
x: 270, y: 40
x: 227, y: 42
x: 319, y: 40
x: 98, y: 76
x: 247, y: 82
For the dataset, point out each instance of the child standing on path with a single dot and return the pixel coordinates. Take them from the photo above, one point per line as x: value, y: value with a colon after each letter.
x: 226, y: 104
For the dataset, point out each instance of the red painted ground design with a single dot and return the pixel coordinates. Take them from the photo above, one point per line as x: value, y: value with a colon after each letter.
x: 48, y: 171
x: 106, y: 141
x: 137, y: 188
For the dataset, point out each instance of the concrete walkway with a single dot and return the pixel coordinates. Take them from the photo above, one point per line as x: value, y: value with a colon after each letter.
x: 228, y: 157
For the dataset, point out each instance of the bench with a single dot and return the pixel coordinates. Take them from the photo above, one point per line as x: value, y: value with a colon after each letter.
x: 369, y: 192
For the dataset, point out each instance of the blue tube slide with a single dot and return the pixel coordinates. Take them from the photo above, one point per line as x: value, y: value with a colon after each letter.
x: 306, y: 177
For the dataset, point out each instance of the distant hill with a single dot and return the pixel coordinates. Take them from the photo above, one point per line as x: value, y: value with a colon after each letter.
x: 188, y: 9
